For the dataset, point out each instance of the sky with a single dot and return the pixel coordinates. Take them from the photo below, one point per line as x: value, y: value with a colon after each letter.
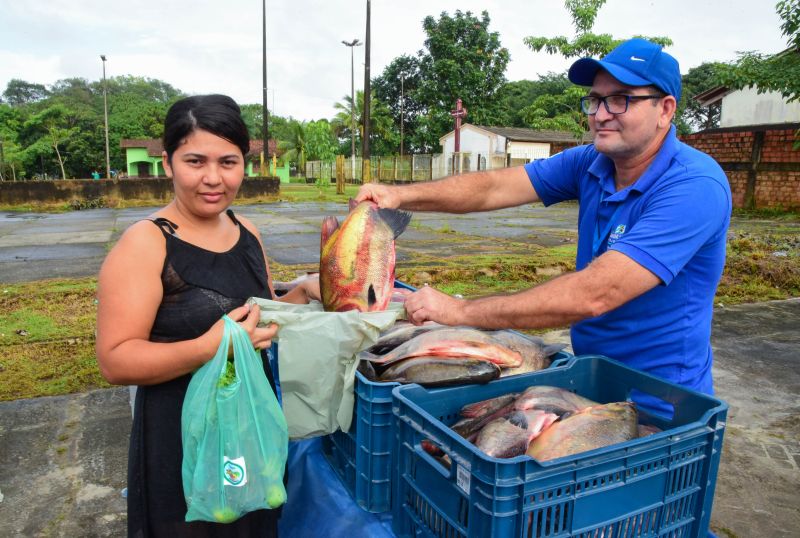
x: 212, y: 46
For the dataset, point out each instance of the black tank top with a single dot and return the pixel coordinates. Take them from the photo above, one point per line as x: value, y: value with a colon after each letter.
x: 200, y: 286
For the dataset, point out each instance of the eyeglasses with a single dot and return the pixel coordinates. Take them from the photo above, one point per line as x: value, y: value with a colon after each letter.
x: 615, y: 104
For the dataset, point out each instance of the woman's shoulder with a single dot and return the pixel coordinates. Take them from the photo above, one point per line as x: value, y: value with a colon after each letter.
x: 248, y: 224
x: 143, y: 238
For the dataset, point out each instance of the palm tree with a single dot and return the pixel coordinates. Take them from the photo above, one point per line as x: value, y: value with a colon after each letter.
x: 384, y: 137
x: 295, y: 147
x: 342, y: 122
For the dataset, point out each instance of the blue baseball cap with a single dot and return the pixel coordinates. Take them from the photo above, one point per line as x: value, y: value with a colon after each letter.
x: 636, y: 62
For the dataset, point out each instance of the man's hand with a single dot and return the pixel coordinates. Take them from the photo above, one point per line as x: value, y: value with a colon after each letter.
x: 428, y: 304
x: 383, y: 195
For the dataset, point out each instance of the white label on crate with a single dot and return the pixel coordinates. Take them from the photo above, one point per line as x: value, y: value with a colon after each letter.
x: 462, y: 478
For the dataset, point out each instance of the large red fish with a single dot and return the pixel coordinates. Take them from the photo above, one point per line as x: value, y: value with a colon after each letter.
x: 356, y: 267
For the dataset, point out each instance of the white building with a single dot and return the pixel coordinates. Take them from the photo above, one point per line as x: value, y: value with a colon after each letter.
x: 498, y: 147
x: 748, y: 107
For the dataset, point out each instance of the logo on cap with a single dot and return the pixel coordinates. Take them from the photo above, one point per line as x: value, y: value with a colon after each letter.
x: 635, y: 59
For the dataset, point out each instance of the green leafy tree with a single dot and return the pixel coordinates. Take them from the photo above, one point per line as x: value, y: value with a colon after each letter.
x: 691, y: 116
x: 462, y: 59
x: 19, y: 92
x: 51, y: 131
x: 320, y: 142
x: 342, y: 123
x: 137, y: 108
x: 396, y: 88
x: 514, y: 96
x: 585, y: 43
x: 558, y: 112
x: 295, y: 147
x: 11, y: 158
x: 771, y: 72
x: 384, y: 139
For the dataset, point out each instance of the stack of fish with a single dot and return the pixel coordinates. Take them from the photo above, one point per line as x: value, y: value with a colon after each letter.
x: 436, y: 355
x: 357, y: 261
x: 545, y: 423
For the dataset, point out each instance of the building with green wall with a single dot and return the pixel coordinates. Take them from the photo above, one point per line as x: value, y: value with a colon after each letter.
x: 143, y: 159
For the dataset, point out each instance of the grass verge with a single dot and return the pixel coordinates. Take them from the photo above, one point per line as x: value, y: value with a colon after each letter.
x: 47, y: 327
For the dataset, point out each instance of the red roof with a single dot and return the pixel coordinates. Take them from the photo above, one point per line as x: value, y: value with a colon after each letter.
x: 154, y: 146
x: 257, y: 145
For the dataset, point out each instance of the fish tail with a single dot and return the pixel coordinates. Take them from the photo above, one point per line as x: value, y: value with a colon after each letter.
x: 397, y: 220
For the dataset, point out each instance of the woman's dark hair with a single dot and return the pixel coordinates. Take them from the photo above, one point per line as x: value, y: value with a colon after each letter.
x: 217, y: 114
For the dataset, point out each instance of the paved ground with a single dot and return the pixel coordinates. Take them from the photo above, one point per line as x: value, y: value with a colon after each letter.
x: 64, y: 458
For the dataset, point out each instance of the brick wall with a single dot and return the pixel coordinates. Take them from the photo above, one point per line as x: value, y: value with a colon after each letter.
x: 762, y: 167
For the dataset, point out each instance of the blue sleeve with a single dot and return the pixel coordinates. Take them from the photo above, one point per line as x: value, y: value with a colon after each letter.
x: 557, y: 178
x: 675, y: 224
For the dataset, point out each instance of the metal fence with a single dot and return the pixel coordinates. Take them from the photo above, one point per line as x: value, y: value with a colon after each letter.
x: 408, y: 168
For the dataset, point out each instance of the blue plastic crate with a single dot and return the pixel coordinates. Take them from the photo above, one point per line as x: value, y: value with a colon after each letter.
x: 362, y: 457
x: 660, y: 485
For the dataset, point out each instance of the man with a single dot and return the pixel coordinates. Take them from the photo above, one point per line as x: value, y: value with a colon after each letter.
x: 652, y: 226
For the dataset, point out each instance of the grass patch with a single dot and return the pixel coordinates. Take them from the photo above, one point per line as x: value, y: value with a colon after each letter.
x: 56, y: 355
x: 310, y: 193
x: 48, y: 369
x: 47, y: 337
x: 760, y: 267
x: 47, y: 310
x: 769, y: 213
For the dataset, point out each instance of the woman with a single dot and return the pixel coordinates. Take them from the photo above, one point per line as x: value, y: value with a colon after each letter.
x: 162, y: 292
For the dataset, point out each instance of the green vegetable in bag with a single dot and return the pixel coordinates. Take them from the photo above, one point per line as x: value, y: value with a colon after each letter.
x: 234, y: 434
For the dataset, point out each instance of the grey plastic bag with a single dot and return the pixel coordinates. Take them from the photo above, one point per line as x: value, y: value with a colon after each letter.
x: 316, y: 361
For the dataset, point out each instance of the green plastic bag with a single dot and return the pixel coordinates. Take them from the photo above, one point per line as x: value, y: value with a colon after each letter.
x: 235, y: 438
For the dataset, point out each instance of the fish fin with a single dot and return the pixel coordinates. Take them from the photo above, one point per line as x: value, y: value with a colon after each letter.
x: 371, y: 357
x: 329, y: 225
x: 351, y: 204
x: 552, y: 349
x: 371, y: 299
x: 397, y: 220
x: 518, y: 419
x: 367, y: 370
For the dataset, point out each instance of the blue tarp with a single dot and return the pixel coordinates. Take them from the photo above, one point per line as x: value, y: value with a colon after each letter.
x: 319, y: 505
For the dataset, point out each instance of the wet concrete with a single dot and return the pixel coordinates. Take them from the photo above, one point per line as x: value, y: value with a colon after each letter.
x: 65, y: 457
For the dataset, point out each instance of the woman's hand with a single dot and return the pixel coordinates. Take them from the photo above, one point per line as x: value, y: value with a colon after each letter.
x: 248, y: 317
x: 305, y: 291
x: 311, y: 288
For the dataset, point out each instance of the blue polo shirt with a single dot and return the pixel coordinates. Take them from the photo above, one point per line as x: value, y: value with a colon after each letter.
x: 673, y: 221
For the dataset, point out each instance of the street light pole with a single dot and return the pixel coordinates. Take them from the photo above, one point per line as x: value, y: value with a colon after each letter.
x: 366, y: 170
x: 352, y: 44
x: 105, y: 115
x: 402, y: 78
x: 265, y: 112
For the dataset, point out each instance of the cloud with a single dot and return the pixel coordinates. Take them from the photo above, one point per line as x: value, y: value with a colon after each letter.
x: 209, y: 46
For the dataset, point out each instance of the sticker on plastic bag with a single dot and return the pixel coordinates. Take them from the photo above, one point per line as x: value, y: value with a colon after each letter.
x: 234, y: 471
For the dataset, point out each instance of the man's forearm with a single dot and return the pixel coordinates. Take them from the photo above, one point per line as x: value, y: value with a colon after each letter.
x: 555, y: 303
x: 455, y: 194
x: 610, y: 281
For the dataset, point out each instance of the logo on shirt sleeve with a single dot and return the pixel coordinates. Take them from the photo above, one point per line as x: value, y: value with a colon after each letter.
x: 616, y: 234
